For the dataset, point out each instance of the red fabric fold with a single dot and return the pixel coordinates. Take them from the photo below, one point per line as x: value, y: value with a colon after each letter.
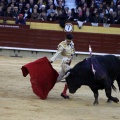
x: 42, y: 76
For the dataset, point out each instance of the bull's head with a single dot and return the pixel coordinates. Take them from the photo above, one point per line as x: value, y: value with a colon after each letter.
x: 71, y: 80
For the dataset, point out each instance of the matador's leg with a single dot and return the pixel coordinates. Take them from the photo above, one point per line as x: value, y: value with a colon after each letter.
x: 65, y: 67
x: 60, y: 77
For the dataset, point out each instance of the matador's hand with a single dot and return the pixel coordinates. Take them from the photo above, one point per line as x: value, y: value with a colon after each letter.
x: 51, y: 61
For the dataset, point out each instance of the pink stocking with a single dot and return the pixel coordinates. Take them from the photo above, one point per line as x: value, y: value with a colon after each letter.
x: 65, y: 90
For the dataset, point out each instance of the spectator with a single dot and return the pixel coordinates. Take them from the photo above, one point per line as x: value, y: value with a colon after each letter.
x: 12, y: 8
x: 80, y: 15
x: 15, y: 12
x: 81, y: 3
x: 8, y: 12
x: 84, y: 8
x: 107, y: 9
x: 65, y: 11
x: 50, y: 10
x: 118, y: 17
x: 26, y: 13
x: 8, y: 1
x: 103, y: 13
x: 87, y: 17
x: 79, y: 11
x: 88, y: 3
x: 108, y: 1
x: 12, y: 2
x: 110, y: 15
x: 1, y: 12
x: 23, y: 2
x: 51, y: 17
x: 100, y: 8
x: 26, y: 7
x: 20, y: 8
x: 104, y: 4
x: 71, y: 16
x: 93, y: 3
x: 42, y: 16
x: 114, y: 18
x: 20, y: 20
x: 98, y: 2
x: 35, y: 14
x: 92, y: 7
x: 105, y: 19
x: 118, y: 2
x: 115, y: 2
x: 78, y: 2
x: 94, y: 12
x: 57, y: 2
x: 40, y: 3
x: 97, y: 18
x: 42, y: 9
x: 112, y: 5
x: 61, y: 18
x: 3, y: 5
x: 118, y: 8
x: 60, y: 5
x: 36, y: 7
x: 49, y: 3
x: 31, y: 2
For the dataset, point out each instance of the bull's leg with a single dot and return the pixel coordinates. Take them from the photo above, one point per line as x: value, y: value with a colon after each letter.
x: 114, y: 88
x: 96, y: 94
x: 107, y: 84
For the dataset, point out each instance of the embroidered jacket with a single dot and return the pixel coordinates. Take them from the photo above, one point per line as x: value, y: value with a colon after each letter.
x: 64, y: 50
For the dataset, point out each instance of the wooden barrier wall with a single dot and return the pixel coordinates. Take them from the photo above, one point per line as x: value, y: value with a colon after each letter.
x: 24, y: 37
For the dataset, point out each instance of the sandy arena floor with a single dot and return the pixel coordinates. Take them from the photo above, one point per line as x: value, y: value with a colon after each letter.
x: 18, y: 102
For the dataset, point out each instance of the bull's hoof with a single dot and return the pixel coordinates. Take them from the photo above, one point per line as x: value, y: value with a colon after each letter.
x: 64, y: 96
x: 116, y: 100
x: 96, y: 103
x: 109, y: 101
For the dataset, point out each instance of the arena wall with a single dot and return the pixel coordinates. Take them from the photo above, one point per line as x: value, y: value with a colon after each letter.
x: 38, y: 38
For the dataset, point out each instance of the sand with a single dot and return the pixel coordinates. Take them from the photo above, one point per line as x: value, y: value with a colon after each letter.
x: 18, y: 102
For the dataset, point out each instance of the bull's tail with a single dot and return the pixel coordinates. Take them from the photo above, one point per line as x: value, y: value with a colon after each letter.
x: 118, y: 81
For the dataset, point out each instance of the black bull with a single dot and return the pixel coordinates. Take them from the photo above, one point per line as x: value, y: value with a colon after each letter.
x: 107, y: 70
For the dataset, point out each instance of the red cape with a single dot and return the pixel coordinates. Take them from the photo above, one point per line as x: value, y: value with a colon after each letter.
x: 42, y: 76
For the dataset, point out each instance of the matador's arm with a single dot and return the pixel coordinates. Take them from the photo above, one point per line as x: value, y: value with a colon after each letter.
x: 56, y: 55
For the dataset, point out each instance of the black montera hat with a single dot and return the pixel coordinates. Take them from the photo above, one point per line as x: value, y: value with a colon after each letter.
x: 69, y: 36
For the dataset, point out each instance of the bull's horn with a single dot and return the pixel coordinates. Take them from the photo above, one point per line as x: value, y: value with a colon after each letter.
x: 65, y: 76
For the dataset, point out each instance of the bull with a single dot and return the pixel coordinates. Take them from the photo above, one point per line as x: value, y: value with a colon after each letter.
x: 97, y: 72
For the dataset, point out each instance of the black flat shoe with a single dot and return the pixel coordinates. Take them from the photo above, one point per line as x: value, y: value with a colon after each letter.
x: 64, y: 96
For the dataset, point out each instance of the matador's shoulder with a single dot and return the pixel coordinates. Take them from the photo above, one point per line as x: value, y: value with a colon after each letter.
x: 63, y: 44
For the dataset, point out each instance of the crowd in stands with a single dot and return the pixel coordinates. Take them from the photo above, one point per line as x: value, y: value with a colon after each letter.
x: 88, y: 11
